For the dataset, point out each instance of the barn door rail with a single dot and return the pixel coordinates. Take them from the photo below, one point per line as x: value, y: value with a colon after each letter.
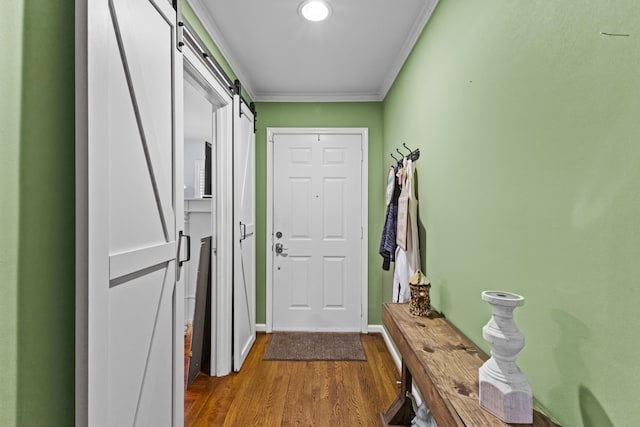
x: 232, y: 87
x: 210, y: 61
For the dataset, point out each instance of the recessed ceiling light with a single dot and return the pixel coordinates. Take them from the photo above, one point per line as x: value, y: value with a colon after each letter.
x: 314, y: 10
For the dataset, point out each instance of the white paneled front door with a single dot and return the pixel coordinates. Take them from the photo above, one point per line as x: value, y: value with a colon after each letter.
x: 129, y: 210
x: 317, y: 231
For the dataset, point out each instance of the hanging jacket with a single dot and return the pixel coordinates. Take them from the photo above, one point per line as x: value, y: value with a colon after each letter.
x: 388, y: 238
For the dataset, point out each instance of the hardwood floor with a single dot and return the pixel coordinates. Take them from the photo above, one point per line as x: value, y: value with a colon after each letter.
x: 275, y: 393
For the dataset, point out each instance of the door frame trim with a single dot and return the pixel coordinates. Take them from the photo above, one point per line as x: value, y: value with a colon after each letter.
x: 364, y: 209
x: 221, y: 319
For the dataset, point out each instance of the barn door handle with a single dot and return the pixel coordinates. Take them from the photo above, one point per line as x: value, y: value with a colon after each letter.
x: 243, y: 230
x: 180, y: 236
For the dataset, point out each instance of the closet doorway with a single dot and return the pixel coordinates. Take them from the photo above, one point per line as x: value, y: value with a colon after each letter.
x: 317, y: 222
x: 227, y: 189
x: 208, y: 132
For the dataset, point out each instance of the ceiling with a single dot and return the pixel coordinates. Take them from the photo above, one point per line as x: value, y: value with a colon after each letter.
x: 355, y: 55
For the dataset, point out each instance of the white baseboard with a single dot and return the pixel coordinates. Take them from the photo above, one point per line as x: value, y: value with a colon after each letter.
x: 261, y: 327
x: 387, y: 340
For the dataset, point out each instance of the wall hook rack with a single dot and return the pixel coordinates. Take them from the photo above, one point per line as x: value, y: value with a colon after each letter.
x: 413, y: 154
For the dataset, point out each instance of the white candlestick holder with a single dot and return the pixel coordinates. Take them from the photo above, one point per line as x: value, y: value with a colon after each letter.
x: 504, y: 390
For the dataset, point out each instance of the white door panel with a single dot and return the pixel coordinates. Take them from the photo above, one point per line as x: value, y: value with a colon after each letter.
x: 132, y: 310
x: 140, y: 333
x: 129, y: 262
x: 146, y: 59
x: 244, y: 275
x: 132, y: 190
x: 317, y: 208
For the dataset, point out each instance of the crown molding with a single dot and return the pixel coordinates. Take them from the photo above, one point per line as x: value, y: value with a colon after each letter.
x: 317, y: 97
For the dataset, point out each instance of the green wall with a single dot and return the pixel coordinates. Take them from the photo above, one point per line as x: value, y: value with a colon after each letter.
x: 527, y: 118
x: 37, y: 215
x: 363, y: 114
x: 10, y: 82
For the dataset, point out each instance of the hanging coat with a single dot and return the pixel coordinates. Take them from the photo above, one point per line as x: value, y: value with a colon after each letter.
x: 403, y: 209
x: 408, y: 258
x: 388, y: 239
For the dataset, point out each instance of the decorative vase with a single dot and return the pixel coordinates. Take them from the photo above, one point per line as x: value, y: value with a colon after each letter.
x: 420, y: 302
x: 504, y: 390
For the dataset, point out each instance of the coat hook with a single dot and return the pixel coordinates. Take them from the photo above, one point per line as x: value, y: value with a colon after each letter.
x: 394, y: 158
x: 399, y: 152
x: 405, y: 146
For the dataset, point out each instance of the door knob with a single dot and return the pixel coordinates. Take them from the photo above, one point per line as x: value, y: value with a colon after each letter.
x: 279, y: 249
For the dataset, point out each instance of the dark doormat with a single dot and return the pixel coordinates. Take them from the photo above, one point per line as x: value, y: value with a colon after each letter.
x: 315, y: 346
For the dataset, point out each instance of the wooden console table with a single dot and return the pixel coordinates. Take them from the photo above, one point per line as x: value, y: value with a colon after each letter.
x: 444, y: 364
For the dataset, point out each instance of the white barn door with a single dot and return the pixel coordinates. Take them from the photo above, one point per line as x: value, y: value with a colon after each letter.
x: 244, y: 239
x: 129, y: 212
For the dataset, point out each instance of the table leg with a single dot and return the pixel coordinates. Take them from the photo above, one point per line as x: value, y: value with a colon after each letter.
x: 400, y: 413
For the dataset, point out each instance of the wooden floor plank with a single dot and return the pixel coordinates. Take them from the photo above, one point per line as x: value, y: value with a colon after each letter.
x: 296, y: 393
